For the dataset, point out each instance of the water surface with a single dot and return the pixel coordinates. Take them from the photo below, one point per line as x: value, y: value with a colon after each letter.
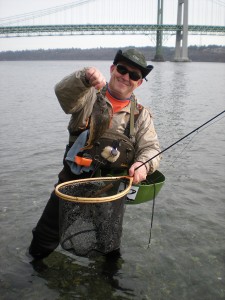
x: 187, y: 253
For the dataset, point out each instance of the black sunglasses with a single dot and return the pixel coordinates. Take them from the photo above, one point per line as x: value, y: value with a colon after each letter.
x: 135, y: 76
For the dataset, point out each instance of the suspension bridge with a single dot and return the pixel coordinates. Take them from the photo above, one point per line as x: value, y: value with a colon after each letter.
x: 154, y: 18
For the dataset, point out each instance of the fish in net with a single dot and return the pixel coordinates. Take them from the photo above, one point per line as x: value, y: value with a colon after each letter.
x: 91, y: 214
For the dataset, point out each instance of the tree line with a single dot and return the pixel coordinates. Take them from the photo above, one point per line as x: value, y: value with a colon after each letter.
x: 212, y: 53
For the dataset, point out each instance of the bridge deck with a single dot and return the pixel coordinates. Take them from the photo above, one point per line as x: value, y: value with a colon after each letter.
x: 7, y: 31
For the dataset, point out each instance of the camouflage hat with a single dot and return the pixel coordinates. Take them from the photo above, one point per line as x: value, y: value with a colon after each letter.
x: 134, y: 58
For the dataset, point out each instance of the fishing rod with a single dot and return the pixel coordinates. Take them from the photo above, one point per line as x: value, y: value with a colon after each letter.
x: 184, y: 137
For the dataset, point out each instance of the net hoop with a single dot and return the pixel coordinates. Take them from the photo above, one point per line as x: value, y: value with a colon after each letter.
x: 90, y: 199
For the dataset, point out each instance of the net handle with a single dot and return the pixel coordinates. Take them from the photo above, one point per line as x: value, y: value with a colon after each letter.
x: 91, y: 199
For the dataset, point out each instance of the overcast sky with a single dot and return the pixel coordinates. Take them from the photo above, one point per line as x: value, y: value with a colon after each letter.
x: 211, y: 12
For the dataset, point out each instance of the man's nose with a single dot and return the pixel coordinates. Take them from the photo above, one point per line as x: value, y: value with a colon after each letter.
x: 126, y: 76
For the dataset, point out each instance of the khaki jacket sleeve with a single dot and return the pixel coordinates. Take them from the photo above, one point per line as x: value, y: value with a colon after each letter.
x: 73, y: 92
x: 76, y: 97
x: 147, y: 144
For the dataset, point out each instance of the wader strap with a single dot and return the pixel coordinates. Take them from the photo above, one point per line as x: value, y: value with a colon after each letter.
x: 135, y: 110
x: 132, y: 109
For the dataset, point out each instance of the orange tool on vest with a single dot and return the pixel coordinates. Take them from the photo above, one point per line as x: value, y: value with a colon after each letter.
x: 82, y: 161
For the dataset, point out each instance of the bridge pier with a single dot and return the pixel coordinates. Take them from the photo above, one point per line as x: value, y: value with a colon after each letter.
x: 159, y: 33
x: 181, y: 47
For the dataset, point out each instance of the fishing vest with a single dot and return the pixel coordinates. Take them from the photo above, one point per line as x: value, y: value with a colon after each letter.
x: 114, y: 150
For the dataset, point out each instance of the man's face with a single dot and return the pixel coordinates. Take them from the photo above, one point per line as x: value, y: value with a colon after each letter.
x: 122, y: 86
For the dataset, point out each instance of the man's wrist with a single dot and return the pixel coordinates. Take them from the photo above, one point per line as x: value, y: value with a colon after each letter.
x: 84, y: 78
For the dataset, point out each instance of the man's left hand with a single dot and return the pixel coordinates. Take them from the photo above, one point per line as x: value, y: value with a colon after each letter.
x: 139, y: 174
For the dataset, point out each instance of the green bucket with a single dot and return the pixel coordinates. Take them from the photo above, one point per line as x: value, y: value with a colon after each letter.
x: 147, y: 190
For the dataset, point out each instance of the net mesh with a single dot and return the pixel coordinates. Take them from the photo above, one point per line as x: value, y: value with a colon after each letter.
x: 91, y: 214
x: 91, y: 229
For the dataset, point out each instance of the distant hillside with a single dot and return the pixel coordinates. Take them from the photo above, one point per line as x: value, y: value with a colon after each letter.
x: 211, y: 53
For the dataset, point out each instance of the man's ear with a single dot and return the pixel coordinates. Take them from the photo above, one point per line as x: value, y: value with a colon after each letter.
x: 112, y: 68
x: 140, y: 82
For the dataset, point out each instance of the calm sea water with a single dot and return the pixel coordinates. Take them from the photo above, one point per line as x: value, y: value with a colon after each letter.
x: 186, y: 256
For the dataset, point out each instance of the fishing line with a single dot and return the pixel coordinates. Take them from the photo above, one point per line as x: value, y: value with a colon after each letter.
x: 211, y: 124
x: 167, y: 148
x: 152, y: 216
x: 182, y: 150
x: 153, y: 199
x: 192, y: 138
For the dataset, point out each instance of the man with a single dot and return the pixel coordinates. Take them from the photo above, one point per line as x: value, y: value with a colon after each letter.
x: 77, y: 96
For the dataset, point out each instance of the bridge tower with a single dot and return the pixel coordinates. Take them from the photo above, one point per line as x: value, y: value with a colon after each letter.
x: 159, y: 33
x: 181, y: 48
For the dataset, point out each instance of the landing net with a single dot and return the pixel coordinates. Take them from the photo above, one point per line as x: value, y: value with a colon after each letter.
x: 91, y: 214
x: 94, y: 190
